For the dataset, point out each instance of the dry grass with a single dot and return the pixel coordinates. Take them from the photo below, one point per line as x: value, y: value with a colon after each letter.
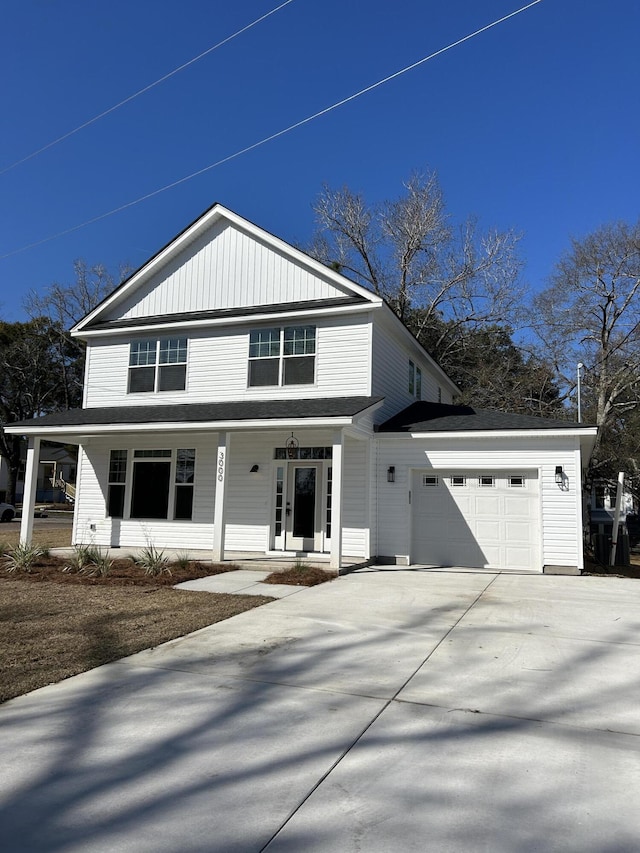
x: 44, y: 537
x: 52, y: 629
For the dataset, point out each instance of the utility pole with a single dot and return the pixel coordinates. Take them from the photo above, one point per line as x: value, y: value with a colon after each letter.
x: 580, y: 366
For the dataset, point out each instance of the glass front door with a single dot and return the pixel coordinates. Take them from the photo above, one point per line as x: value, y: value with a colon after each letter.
x: 303, y: 508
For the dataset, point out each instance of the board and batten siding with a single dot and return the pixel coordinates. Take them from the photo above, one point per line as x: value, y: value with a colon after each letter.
x: 91, y: 524
x: 560, y: 510
x: 224, y: 268
x: 217, y: 367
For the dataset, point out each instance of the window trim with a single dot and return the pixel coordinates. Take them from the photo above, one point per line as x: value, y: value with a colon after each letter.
x: 283, y: 358
x: 415, y: 380
x: 169, y: 457
x: 180, y: 343
x: 490, y: 485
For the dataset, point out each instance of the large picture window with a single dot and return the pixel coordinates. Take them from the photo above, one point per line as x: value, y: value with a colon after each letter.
x: 157, y: 365
x: 282, y: 356
x: 162, y: 484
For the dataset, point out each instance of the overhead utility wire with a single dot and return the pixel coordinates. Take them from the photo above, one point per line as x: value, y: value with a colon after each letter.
x: 145, y: 89
x: 273, y: 135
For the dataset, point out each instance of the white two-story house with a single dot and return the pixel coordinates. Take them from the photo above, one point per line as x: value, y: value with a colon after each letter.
x: 242, y: 397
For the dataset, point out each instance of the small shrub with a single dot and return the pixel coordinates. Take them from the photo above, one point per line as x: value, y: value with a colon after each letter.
x: 89, y: 560
x: 21, y: 558
x: 83, y: 556
x: 100, y: 565
x: 182, y: 560
x: 153, y: 562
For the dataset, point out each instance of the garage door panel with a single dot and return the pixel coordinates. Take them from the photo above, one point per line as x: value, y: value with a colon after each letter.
x: 516, y: 531
x: 487, y: 505
x: 487, y: 531
x: 475, y: 525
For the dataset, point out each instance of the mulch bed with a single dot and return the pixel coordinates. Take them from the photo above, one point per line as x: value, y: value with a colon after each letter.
x: 123, y: 572
x: 300, y: 576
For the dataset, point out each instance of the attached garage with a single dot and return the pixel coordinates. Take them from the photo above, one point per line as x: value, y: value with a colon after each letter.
x: 476, y: 518
x: 458, y: 486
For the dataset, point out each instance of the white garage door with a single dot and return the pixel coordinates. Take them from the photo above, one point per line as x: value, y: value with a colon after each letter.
x: 476, y: 519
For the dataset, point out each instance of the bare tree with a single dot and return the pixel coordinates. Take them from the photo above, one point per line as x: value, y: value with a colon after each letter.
x: 407, y: 251
x: 590, y: 313
x: 64, y: 305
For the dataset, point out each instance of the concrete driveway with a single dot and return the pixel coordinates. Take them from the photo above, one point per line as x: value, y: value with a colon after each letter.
x: 390, y: 710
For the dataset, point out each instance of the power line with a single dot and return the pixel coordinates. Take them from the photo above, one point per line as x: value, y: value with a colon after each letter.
x: 144, y: 89
x: 274, y: 135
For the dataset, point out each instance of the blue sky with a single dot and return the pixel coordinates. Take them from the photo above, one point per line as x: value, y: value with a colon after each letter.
x: 533, y: 125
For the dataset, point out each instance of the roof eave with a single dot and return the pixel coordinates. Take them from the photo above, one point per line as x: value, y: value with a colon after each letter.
x: 493, y: 433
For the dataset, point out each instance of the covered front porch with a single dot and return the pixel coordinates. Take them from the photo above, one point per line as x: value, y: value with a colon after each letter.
x: 276, y: 489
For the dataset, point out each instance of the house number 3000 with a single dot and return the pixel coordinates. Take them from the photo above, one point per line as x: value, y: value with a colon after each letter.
x: 220, y: 466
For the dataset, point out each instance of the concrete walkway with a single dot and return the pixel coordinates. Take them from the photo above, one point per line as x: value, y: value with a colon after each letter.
x: 394, y: 710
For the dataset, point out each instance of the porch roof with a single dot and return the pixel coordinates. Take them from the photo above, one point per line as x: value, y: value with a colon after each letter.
x: 247, y: 413
x: 422, y: 417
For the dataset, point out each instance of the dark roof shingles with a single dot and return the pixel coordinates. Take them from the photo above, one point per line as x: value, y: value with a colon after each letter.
x: 440, y: 417
x: 329, y: 407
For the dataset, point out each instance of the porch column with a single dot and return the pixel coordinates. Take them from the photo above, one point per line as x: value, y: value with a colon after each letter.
x: 222, y: 461
x: 336, y: 500
x: 29, y: 497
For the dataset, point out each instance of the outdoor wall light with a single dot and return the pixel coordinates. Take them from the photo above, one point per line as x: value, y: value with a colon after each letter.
x: 254, y: 469
x: 559, y: 475
x: 391, y: 474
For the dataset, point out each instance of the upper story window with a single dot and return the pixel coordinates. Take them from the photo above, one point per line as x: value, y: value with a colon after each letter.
x: 158, y: 365
x: 415, y: 381
x: 282, y: 356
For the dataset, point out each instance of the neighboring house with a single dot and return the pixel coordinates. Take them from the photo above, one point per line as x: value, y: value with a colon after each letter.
x: 56, y: 475
x: 242, y: 397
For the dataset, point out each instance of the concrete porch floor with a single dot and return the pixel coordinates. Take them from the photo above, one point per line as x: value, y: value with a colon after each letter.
x: 248, y: 560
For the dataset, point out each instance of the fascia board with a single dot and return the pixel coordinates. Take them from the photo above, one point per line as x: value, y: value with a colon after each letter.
x: 505, y: 433
x: 223, y: 321
x: 190, y: 234
x: 187, y: 426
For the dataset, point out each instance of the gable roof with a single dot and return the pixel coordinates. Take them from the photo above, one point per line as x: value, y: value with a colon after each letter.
x: 203, y: 228
x: 424, y: 417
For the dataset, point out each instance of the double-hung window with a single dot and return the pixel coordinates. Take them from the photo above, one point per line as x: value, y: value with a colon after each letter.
x: 415, y: 381
x: 282, y: 356
x: 158, y: 365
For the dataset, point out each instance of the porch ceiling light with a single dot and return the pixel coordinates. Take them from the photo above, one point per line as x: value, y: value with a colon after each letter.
x: 254, y: 469
x: 391, y: 474
x: 292, y: 445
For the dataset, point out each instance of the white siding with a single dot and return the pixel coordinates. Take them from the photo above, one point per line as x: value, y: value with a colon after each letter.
x: 224, y: 268
x: 249, y: 499
x: 390, y: 363
x: 561, y: 535
x: 92, y: 526
x: 217, y: 368
x: 355, y: 503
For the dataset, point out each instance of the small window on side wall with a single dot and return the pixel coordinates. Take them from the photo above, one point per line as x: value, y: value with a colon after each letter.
x: 117, y: 483
x: 185, y: 475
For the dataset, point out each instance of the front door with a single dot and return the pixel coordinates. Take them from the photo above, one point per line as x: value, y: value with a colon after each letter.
x: 303, y: 508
